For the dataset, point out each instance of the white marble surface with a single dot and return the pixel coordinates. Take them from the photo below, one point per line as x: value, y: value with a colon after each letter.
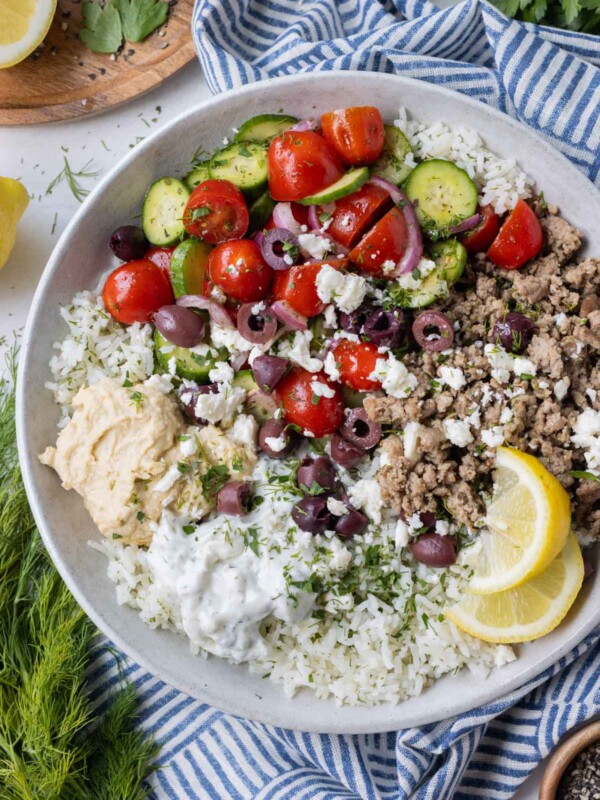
x: 35, y: 155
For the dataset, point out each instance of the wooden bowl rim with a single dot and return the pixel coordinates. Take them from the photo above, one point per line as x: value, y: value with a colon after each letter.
x: 564, y: 755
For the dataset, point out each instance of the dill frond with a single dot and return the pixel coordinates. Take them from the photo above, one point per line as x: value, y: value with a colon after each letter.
x: 73, y: 179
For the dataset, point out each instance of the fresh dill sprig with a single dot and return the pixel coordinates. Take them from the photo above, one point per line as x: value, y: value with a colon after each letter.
x: 73, y: 179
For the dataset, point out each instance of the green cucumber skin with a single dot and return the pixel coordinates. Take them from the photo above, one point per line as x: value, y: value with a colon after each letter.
x: 245, y: 380
x: 198, y: 175
x: 163, y: 222
x: 264, y: 127
x: 390, y: 165
x: 348, y: 183
x: 451, y: 258
x: 436, y: 179
x: 185, y: 365
x: 189, y: 258
x: 260, y: 211
x: 242, y: 163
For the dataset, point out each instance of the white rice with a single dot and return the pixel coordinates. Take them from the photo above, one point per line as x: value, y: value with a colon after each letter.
x: 500, y: 182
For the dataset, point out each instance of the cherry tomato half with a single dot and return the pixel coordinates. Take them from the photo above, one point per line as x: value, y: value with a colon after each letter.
x: 355, y: 362
x: 134, y: 291
x: 161, y: 256
x: 520, y: 238
x: 239, y: 269
x: 298, y: 287
x: 353, y: 214
x: 303, y: 407
x: 357, y: 133
x: 386, y: 241
x: 480, y: 238
x: 216, y: 212
x: 301, y: 163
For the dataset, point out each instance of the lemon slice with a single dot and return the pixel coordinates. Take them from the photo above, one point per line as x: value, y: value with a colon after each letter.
x: 527, y: 523
x: 13, y: 202
x: 23, y: 25
x: 528, y: 611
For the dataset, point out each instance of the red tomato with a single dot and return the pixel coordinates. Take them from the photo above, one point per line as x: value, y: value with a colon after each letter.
x: 311, y: 412
x: 300, y: 214
x: 161, y: 256
x: 136, y: 290
x: 301, y: 163
x: 355, y: 362
x: 354, y: 213
x: 385, y: 241
x: 297, y: 285
x: 480, y: 238
x: 520, y: 238
x: 216, y: 212
x: 357, y: 133
x: 240, y: 270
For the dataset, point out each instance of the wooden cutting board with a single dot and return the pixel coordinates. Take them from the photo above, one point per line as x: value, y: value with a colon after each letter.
x: 63, y: 79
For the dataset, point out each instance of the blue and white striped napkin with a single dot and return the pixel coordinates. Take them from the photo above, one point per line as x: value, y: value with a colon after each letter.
x: 549, y: 80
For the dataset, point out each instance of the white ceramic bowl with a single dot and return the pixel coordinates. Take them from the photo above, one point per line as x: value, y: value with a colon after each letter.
x: 82, y: 254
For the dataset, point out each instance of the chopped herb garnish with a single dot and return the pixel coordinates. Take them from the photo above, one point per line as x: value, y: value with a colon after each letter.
x: 213, y: 481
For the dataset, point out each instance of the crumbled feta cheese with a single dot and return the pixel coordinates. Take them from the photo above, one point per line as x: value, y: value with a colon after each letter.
x: 458, y: 432
x: 316, y: 246
x: 322, y: 389
x: 330, y: 317
x: 331, y: 367
x: 188, y: 446
x: 524, y: 366
x: 412, y: 280
x: 415, y: 523
x: 221, y: 373
x: 254, y: 353
x: 493, y: 437
x: 229, y: 338
x: 388, y: 266
x: 308, y: 434
x: 560, y: 320
x: 172, y: 366
x: 257, y: 308
x: 168, y: 480
x: 442, y: 527
x: 592, y: 394
x: 395, y: 379
x: 506, y: 415
x: 337, y: 507
x: 161, y: 383
x: 504, y: 363
x: 222, y: 406
x: 543, y: 384
x: 346, y: 290
x: 243, y: 432
x: 366, y: 494
x: 401, y: 534
x: 410, y: 441
x: 561, y: 388
x: 587, y: 436
x: 298, y: 351
x: 453, y: 377
x: 276, y: 443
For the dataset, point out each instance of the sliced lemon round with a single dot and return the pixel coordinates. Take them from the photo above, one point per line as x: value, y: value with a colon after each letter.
x: 528, y: 611
x: 23, y: 25
x: 527, y: 523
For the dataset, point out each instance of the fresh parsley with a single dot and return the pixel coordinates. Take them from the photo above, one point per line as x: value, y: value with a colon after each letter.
x: 575, y: 15
x: 106, y: 25
x: 585, y: 476
x: 140, y: 18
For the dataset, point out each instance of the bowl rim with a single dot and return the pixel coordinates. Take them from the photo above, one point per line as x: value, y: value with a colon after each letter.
x: 492, y: 693
x: 565, y: 753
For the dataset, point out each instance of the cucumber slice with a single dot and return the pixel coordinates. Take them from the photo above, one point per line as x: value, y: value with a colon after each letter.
x: 264, y: 127
x: 242, y: 163
x: 442, y: 193
x: 188, y: 267
x: 260, y: 211
x: 390, y: 165
x: 262, y: 406
x: 199, y: 174
x: 348, y: 183
x: 450, y: 258
x: 162, y: 213
x: 245, y: 380
x: 187, y: 364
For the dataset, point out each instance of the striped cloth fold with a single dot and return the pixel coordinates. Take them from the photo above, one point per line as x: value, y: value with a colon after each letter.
x: 489, y: 752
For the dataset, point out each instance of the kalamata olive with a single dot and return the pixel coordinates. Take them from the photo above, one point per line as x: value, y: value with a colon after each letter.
x: 588, y: 567
x: 358, y: 429
x: 268, y: 371
x: 433, y: 331
x: 345, y: 453
x: 385, y: 328
x: 257, y: 327
x: 513, y: 331
x: 351, y: 524
x: 316, y: 472
x: 311, y: 514
x: 428, y: 520
x: 190, y: 395
x: 280, y: 248
x: 355, y: 320
x: 234, y: 498
x: 434, y: 550
x: 180, y: 326
x: 128, y: 243
x: 276, y: 439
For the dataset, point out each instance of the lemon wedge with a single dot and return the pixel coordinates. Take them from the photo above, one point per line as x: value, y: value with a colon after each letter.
x: 13, y: 202
x: 528, y: 611
x: 527, y: 523
x: 23, y: 25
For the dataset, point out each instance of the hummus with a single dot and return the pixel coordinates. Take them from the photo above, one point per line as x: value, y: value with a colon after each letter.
x: 129, y: 453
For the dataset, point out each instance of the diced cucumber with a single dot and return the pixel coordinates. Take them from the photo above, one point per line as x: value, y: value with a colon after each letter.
x: 242, y: 163
x: 264, y: 127
x: 188, y: 267
x: 260, y: 211
x: 390, y: 165
x: 450, y: 258
x: 442, y: 193
x: 262, y: 406
x: 162, y: 214
x: 199, y: 174
x: 187, y: 364
x: 352, y: 397
x: 245, y: 380
x: 348, y: 183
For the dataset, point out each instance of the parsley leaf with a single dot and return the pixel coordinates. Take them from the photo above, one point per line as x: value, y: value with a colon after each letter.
x: 141, y: 17
x: 102, y: 31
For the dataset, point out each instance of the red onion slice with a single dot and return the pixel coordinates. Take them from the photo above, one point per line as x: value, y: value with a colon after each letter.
x: 414, y: 246
x: 257, y: 328
x: 283, y: 217
x: 314, y: 214
x: 438, y: 321
x: 234, y: 498
x: 239, y: 361
x: 309, y: 124
x: 285, y: 242
x: 216, y: 312
x: 286, y: 314
x: 466, y: 225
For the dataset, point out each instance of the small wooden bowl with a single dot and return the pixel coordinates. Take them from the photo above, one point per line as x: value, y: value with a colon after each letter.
x: 564, y: 755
